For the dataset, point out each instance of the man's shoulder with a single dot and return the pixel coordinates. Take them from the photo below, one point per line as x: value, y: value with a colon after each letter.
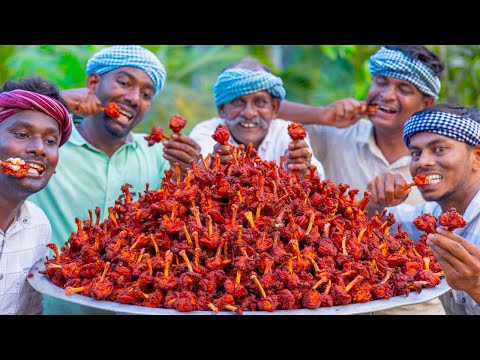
x: 280, y: 123
x: 206, y: 126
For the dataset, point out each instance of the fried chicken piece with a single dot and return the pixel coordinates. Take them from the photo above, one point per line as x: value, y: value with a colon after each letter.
x: 418, y: 180
x: 297, y: 131
x: 426, y: 222
x: 177, y: 123
x: 221, y: 134
x: 112, y: 109
x: 156, y: 135
x: 452, y: 220
x: 15, y: 167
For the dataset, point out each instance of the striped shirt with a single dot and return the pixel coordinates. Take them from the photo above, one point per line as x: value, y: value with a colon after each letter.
x: 21, y: 246
x: 455, y: 302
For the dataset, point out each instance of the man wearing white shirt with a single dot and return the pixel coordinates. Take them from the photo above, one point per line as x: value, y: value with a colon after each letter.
x: 248, y: 97
x: 34, y: 123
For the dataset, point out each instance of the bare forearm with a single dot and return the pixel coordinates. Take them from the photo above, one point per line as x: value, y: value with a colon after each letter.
x: 305, y: 114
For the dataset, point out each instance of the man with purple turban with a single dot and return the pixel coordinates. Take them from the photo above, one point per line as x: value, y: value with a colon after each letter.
x: 34, y: 123
x: 103, y: 152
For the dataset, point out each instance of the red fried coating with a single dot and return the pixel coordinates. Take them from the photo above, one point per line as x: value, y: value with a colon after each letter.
x: 112, y: 109
x: 371, y: 109
x: 452, y: 220
x: 420, y: 179
x: 221, y: 134
x: 15, y: 167
x: 297, y: 131
x: 426, y: 222
x: 156, y: 135
x: 177, y: 123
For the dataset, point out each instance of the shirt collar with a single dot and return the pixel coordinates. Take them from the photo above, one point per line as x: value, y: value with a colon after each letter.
x: 374, y: 149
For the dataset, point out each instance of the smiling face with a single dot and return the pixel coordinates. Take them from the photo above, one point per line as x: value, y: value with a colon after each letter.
x: 132, y: 89
x: 397, y: 100
x: 248, y: 117
x: 452, y: 168
x: 33, y: 137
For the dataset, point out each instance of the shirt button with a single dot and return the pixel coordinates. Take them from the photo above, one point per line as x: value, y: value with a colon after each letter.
x: 25, y: 220
x: 463, y: 300
x: 1, y: 276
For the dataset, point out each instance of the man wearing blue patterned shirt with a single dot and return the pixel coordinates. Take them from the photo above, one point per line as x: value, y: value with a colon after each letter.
x: 444, y: 143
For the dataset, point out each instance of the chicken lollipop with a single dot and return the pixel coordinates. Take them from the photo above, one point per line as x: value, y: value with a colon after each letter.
x: 112, y: 110
x: 15, y: 167
x: 156, y: 135
x: 221, y: 134
x: 452, y: 220
x: 418, y: 180
x: 297, y: 131
x: 426, y: 222
x: 177, y: 123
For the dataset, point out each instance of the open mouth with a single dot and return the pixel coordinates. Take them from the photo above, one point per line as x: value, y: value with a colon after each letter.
x: 433, y: 179
x: 35, y: 168
x: 386, y: 109
x: 125, y: 116
x: 19, y: 168
x: 248, y: 125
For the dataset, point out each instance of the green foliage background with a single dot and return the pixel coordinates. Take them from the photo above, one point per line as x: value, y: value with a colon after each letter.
x: 313, y: 74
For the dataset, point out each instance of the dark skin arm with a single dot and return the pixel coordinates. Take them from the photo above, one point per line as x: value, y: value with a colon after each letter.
x: 459, y: 259
x: 81, y: 101
x: 181, y: 149
x: 341, y: 113
x: 386, y: 190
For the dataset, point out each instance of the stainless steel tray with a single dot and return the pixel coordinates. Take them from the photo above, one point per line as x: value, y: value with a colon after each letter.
x: 43, y: 284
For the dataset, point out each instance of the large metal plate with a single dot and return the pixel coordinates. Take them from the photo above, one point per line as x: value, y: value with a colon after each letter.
x: 43, y: 284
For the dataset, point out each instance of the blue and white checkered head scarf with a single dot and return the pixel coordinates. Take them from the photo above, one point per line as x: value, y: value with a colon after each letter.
x: 137, y: 56
x: 454, y: 126
x: 395, y: 63
x: 236, y: 82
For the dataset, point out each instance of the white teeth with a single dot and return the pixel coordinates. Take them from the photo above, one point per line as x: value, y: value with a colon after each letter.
x: 14, y: 167
x: 33, y: 171
x: 36, y: 166
x: 248, y: 125
x: 123, y: 118
x: 433, y: 179
x: 128, y: 115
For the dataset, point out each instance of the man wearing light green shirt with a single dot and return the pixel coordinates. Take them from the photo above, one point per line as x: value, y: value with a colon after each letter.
x: 103, y: 153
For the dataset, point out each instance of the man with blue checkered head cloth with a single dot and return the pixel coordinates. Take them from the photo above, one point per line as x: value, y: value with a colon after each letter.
x: 355, y: 145
x: 444, y: 143
x: 103, y: 153
x: 248, y: 97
